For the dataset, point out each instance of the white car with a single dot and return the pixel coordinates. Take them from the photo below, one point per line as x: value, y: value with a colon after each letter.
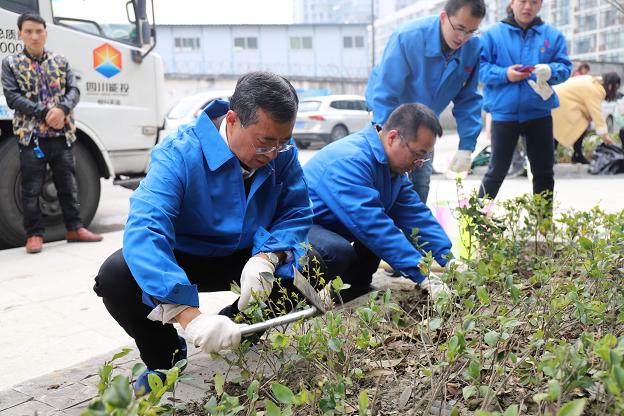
x: 614, y: 113
x: 189, y: 108
x: 329, y: 118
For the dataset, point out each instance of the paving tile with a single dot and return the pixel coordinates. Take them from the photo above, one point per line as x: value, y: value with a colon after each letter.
x: 200, y: 377
x: 11, y: 397
x: 68, y: 396
x: 184, y: 394
x: 29, y: 409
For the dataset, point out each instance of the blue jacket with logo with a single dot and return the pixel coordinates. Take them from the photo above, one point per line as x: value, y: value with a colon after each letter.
x: 193, y: 200
x: 356, y: 195
x: 414, y: 69
x: 506, y: 44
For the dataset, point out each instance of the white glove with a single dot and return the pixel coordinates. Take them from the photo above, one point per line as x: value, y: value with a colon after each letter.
x: 541, y: 88
x: 213, y: 333
x: 434, y: 286
x: 542, y: 72
x: 461, y: 161
x: 252, y: 282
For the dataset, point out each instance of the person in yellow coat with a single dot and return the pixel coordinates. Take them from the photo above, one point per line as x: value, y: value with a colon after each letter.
x: 580, y: 101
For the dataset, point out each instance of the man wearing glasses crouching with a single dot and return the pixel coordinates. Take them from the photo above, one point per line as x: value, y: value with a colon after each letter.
x: 224, y: 200
x: 365, y: 207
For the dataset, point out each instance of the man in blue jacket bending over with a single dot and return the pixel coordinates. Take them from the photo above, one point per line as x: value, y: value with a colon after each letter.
x: 224, y: 200
x: 434, y: 60
x: 366, y: 209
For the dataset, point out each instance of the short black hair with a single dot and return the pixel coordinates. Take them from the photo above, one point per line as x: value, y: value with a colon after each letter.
x: 268, y: 91
x: 477, y: 7
x: 611, y: 79
x: 584, y: 65
x: 408, y: 118
x: 29, y: 16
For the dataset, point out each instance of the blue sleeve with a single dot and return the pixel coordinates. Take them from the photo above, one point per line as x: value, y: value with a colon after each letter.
x: 467, y: 111
x: 293, y: 218
x: 491, y: 74
x: 350, y: 194
x: 149, y: 235
x: 410, y: 212
x: 560, y: 64
x: 389, y: 82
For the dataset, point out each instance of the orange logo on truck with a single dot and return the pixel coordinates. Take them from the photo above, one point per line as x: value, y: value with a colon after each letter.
x: 107, y: 60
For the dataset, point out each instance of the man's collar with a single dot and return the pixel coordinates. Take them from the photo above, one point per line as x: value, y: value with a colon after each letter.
x: 42, y: 58
x: 371, y: 134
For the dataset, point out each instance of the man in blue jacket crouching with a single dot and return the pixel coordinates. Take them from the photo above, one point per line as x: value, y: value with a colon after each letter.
x: 365, y: 207
x: 224, y: 200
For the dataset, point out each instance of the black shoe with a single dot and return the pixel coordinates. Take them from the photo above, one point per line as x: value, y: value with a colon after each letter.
x: 579, y: 158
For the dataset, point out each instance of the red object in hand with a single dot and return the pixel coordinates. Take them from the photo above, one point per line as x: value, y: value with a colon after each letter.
x: 526, y: 68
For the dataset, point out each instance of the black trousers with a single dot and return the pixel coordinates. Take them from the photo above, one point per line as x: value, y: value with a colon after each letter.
x: 539, y: 148
x: 156, y: 342
x: 352, y: 261
x: 60, y: 157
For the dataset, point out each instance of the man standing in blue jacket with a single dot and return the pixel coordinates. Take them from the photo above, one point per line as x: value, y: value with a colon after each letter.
x: 366, y: 209
x: 224, y: 200
x: 434, y: 60
x: 522, y: 57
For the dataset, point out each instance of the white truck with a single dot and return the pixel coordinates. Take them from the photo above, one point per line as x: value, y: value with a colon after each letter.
x: 121, y: 109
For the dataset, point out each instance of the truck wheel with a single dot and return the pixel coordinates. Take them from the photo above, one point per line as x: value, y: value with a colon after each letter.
x: 11, y: 218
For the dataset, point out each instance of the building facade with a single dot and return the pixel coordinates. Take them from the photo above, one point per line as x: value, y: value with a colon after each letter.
x: 311, y: 51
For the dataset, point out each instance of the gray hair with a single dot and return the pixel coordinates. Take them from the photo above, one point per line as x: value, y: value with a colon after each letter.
x: 265, y: 90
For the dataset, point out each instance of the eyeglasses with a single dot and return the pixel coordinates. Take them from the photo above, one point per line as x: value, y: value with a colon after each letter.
x: 419, y: 158
x: 463, y: 32
x: 261, y: 150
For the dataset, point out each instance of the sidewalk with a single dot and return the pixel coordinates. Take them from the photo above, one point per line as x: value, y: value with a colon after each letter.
x: 51, y: 318
x: 69, y: 391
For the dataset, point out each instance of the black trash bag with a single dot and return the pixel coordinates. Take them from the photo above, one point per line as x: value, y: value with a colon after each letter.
x: 608, y: 159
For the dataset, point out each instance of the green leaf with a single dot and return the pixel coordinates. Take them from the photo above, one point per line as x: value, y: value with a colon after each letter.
x: 172, y: 376
x: 137, y: 369
x: 474, y: 371
x: 268, y: 276
x: 435, y: 324
x: 554, y: 390
x: 335, y: 345
x: 252, y: 390
x: 482, y: 295
x: 282, y: 393
x: 491, y: 338
x: 469, y: 391
x: 272, y: 409
x: 119, y: 394
x: 219, y: 382
x: 539, y: 397
x: 363, y: 402
x: 512, y: 410
x: 573, y: 408
x: 585, y: 243
x: 121, y: 353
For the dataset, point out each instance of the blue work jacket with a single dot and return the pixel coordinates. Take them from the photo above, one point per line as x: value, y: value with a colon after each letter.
x: 193, y: 200
x: 356, y: 195
x: 414, y: 69
x: 506, y: 44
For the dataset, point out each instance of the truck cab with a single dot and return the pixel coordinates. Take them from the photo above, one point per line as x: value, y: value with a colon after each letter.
x: 121, y: 111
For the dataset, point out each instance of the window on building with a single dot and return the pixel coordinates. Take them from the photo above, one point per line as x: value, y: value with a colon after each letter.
x: 587, y: 22
x: 609, y: 18
x: 250, y: 42
x: 587, y: 4
x: 349, y: 42
x: 612, y: 40
x: 300, y: 42
x: 584, y: 44
x: 562, y: 16
x: 186, y: 44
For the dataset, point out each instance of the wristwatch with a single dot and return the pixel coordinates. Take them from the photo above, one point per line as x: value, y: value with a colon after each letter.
x: 273, y: 258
